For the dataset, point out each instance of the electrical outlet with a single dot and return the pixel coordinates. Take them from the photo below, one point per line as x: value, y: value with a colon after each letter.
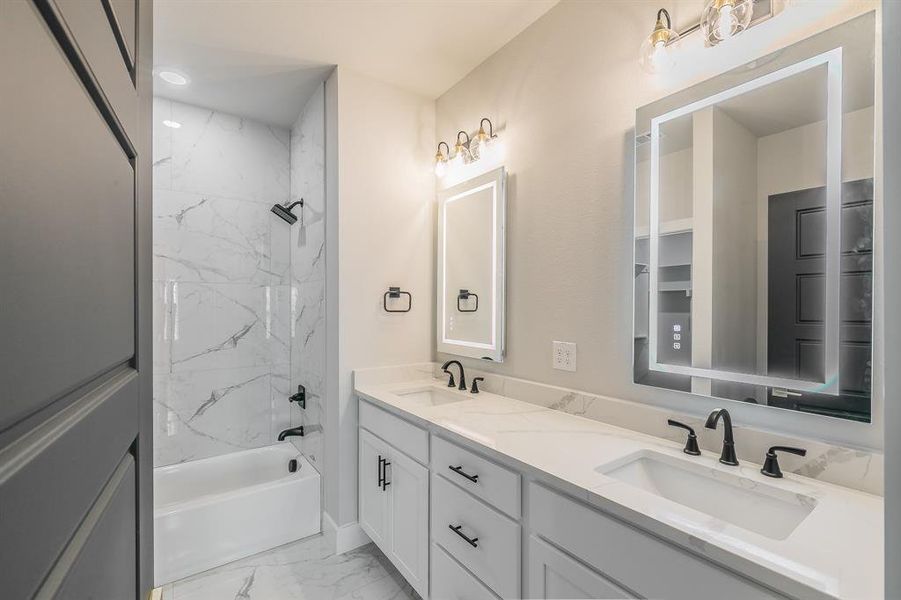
x: 565, y: 356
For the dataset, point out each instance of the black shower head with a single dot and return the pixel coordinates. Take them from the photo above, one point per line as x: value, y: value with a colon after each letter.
x: 284, y: 212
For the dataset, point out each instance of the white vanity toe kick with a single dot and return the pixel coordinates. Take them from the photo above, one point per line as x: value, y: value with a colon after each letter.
x: 834, y: 551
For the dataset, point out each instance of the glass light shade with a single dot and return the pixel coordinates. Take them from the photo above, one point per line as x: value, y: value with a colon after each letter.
x: 440, y: 167
x: 657, y: 53
x: 724, y: 19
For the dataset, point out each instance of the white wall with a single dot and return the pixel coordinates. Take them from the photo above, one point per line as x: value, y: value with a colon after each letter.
x: 563, y: 94
x: 384, y: 194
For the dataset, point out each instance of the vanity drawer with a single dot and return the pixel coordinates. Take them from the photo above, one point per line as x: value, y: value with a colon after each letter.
x: 638, y: 561
x: 493, y: 483
x: 450, y: 581
x: 494, y: 558
x: 403, y: 435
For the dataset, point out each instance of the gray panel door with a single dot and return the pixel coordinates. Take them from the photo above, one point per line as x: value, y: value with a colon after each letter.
x: 797, y: 238
x: 75, y: 404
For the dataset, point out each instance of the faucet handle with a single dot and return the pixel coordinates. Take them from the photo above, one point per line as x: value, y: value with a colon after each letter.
x: 451, y: 382
x: 771, y: 465
x: 691, y: 444
x: 475, y: 384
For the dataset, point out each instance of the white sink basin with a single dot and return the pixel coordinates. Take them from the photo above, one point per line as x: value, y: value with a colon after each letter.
x: 768, y: 510
x: 430, y: 396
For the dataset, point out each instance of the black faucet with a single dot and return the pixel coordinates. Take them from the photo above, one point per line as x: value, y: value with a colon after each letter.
x: 290, y: 432
x: 728, y: 455
x: 451, y: 382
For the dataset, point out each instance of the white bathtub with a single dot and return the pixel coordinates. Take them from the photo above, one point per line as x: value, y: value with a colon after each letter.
x: 212, y: 511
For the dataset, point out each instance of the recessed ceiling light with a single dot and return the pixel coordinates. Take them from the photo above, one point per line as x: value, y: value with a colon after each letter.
x: 173, y: 78
x: 172, y: 124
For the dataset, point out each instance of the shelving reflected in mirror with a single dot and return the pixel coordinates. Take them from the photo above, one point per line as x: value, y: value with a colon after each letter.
x: 754, y: 230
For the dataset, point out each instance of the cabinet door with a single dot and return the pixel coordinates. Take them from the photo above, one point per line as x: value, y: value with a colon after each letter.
x: 554, y: 575
x: 373, y: 496
x: 408, y: 484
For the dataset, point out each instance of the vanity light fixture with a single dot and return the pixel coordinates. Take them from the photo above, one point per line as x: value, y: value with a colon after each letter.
x: 461, y: 151
x: 441, y: 160
x: 721, y: 20
x: 485, y: 141
x: 724, y: 19
x: 655, y: 54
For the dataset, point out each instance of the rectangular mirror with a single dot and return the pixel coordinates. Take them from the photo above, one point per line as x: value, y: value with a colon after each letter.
x: 754, y: 230
x: 471, y: 221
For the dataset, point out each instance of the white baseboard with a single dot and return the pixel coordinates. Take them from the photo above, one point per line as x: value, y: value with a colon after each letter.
x: 346, y: 537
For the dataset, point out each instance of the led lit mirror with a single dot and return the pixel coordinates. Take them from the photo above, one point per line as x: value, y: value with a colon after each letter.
x: 471, y: 267
x: 754, y: 230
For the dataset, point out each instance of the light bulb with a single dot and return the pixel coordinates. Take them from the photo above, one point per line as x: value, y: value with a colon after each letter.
x: 658, y: 55
x: 440, y: 168
x: 726, y: 22
x: 655, y: 54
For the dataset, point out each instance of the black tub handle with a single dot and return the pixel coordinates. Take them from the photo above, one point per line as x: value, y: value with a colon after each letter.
x: 471, y: 541
x: 459, y: 471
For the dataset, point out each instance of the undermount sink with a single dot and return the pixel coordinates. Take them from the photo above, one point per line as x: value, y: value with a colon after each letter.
x: 768, y: 510
x: 430, y: 396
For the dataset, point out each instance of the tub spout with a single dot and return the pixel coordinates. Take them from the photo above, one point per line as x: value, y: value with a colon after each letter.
x: 293, y: 431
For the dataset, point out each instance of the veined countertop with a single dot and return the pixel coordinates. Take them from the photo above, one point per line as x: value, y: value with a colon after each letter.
x: 837, y: 551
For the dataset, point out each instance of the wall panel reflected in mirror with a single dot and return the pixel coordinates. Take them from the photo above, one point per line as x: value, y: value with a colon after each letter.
x: 754, y: 230
x: 471, y: 221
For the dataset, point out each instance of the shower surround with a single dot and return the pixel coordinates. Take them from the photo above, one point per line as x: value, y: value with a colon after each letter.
x: 238, y: 294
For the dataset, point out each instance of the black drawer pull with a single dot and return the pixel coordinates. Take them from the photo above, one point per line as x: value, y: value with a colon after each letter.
x: 385, y: 482
x: 469, y: 540
x: 381, y: 472
x: 459, y: 471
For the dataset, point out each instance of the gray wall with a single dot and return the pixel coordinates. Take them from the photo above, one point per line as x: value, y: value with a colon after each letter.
x: 891, y: 48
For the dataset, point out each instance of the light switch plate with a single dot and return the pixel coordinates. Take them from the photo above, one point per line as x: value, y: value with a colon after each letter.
x: 565, y: 356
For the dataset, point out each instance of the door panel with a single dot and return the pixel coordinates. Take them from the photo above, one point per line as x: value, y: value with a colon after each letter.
x: 67, y: 248
x: 75, y: 397
x: 408, y: 483
x: 90, y: 25
x: 99, y: 563
x: 797, y: 297
x: 554, y: 575
x: 373, y: 498
x: 55, y: 457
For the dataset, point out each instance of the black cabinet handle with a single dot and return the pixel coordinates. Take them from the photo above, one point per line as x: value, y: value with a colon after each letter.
x: 381, y: 475
x: 459, y: 471
x: 385, y: 482
x: 469, y: 540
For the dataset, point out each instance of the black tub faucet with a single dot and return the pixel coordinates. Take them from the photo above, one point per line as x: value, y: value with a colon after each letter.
x: 728, y: 455
x: 290, y: 432
x: 451, y: 382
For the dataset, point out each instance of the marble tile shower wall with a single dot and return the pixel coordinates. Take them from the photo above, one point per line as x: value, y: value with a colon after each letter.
x: 222, y: 283
x: 307, y: 252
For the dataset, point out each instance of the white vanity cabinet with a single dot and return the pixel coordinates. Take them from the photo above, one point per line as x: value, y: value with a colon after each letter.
x: 394, y: 498
x: 469, y: 526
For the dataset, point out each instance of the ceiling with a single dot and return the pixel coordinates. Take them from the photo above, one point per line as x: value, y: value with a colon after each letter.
x: 263, y: 58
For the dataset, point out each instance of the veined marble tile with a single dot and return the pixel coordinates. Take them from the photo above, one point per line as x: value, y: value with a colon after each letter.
x: 198, y: 414
x: 217, y: 326
x: 162, y: 316
x: 308, y: 335
x: 304, y: 570
x: 162, y: 144
x: 228, y: 156
x: 308, y: 252
x: 203, y: 238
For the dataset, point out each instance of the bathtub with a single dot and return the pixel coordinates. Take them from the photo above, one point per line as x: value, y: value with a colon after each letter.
x: 212, y: 511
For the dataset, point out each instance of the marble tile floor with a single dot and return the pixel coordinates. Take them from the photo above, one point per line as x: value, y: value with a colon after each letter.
x: 303, y: 570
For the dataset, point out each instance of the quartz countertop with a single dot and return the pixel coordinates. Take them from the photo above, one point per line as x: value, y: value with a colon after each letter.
x: 836, y: 551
